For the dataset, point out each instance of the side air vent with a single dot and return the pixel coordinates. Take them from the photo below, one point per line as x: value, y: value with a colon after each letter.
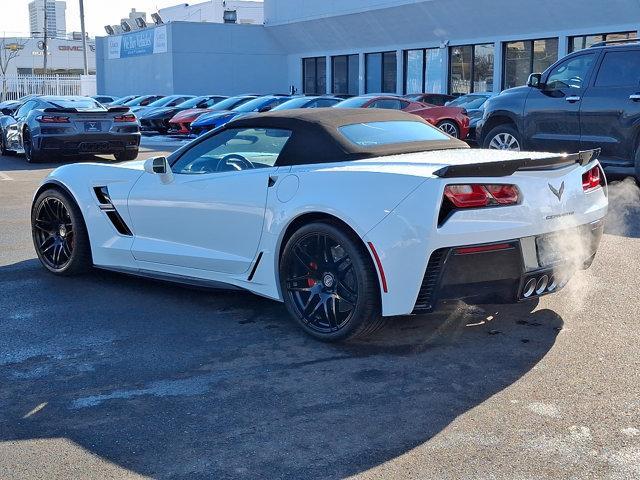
x: 427, y: 296
x: 102, y: 194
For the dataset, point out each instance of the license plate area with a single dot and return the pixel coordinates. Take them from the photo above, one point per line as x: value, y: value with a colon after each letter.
x: 92, y: 127
x: 94, y: 146
x: 555, y: 248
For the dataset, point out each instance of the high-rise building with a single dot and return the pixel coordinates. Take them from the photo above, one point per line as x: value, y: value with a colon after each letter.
x: 55, y: 13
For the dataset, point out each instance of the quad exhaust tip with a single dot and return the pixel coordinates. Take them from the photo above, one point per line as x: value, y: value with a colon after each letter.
x: 546, y: 283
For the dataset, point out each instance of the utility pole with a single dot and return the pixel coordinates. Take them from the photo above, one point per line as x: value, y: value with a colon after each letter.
x: 46, y: 34
x: 84, y: 38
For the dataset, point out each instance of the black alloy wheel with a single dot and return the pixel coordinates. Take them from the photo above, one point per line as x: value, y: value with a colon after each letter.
x: 31, y: 155
x: 53, y: 233
x: 329, y: 284
x: 59, y: 234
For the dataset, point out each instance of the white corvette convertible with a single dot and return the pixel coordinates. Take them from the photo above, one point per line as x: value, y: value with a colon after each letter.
x: 346, y: 216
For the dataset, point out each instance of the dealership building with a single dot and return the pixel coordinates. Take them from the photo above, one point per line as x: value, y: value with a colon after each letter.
x: 362, y: 46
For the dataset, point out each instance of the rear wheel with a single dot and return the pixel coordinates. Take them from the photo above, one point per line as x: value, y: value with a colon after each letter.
x: 329, y: 283
x: 637, y: 163
x: 31, y: 154
x: 126, y: 155
x: 450, y: 128
x: 60, y: 234
x: 503, y: 137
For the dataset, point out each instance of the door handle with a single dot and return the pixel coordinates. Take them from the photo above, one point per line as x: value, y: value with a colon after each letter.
x: 573, y: 99
x: 635, y: 97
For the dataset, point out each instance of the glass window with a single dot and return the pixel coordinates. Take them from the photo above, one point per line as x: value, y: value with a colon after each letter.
x: 389, y: 104
x: 460, y: 69
x: 346, y: 74
x: 414, y: 71
x: 381, y: 72
x: 571, y: 73
x: 433, y: 68
x: 620, y: 69
x: 581, y: 42
x: 483, y: 68
x: 25, y: 109
x: 355, y: 102
x: 521, y: 59
x: 374, y: 72
x: 234, y: 149
x: 75, y: 102
x: 385, y: 133
x: 314, y: 73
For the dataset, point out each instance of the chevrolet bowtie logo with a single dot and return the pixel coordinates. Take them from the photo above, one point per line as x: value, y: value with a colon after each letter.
x: 557, y: 192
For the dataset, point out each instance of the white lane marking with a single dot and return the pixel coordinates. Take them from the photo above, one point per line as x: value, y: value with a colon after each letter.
x: 4, y: 176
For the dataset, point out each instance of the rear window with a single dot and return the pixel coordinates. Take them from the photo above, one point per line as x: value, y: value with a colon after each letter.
x: 386, y: 133
x: 79, y: 103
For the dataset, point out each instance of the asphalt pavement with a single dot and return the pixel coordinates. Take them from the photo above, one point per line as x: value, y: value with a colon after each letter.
x: 109, y: 376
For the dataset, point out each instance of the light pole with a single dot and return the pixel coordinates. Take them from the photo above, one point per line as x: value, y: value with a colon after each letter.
x: 46, y: 34
x: 84, y: 38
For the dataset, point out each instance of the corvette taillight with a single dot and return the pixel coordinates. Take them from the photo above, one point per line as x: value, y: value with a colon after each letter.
x: 592, y: 179
x: 125, y: 118
x: 52, y: 119
x: 478, y: 195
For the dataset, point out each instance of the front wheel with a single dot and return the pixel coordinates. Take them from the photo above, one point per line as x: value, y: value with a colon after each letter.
x: 126, y: 155
x: 503, y: 137
x: 329, y: 283
x: 450, y: 128
x: 60, y: 234
x: 3, y: 147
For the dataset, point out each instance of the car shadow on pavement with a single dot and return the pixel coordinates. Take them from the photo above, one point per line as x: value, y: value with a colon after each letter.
x: 174, y: 382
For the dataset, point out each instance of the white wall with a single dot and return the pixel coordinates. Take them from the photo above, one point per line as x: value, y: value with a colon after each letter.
x: 249, y: 12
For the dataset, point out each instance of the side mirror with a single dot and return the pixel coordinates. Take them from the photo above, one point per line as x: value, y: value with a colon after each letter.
x: 535, y: 80
x: 159, y: 166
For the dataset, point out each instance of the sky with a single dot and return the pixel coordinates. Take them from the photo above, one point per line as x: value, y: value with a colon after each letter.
x: 14, y: 14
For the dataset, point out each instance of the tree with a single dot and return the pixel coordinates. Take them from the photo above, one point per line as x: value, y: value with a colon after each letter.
x: 9, y: 49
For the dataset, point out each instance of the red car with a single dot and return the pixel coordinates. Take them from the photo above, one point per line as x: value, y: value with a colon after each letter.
x: 181, y: 122
x: 451, y: 120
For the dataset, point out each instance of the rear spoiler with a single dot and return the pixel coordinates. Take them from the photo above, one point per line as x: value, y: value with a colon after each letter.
x: 504, y: 168
x: 75, y: 110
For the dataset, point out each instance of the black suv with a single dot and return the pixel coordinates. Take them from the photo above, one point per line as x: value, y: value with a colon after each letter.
x: 588, y: 99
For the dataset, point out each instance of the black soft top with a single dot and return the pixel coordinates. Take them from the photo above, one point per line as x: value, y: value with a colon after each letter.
x: 316, y: 139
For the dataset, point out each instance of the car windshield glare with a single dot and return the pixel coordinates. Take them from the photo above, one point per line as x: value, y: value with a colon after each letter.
x: 386, y: 133
x: 470, y: 102
x: 252, y: 106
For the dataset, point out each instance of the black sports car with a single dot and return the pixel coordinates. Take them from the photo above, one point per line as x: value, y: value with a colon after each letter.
x: 158, y: 118
x: 49, y: 125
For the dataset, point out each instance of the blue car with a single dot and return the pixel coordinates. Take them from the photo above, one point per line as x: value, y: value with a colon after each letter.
x: 209, y: 121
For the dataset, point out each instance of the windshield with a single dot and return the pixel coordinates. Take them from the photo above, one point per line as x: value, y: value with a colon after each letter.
x: 192, y: 102
x: 231, y: 103
x: 162, y: 102
x: 137, y: 101
x: 253, y: 105
x: 123, y: 100
x: 77, y: 103
x: 355, y: 102
x: 470, y: 102
x: 293, y: 103
x: 385, y: 133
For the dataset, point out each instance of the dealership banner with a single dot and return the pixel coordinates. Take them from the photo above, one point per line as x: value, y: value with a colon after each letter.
x: 141, y: 42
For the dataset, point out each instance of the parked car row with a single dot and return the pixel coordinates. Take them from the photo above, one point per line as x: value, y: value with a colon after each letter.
x: 187, y: 114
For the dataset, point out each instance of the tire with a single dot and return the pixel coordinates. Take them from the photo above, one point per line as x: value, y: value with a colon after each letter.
x: 637, y: 164
x: 30, y: 154
x: 450, y: 128
x: 3, y: 149
x: 502, y: 137
x: 60, y: 234
x: 329, y: 284
x: 126, y: 156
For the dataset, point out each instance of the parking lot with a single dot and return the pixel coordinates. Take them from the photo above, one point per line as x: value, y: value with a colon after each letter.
x: 110, y: 376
